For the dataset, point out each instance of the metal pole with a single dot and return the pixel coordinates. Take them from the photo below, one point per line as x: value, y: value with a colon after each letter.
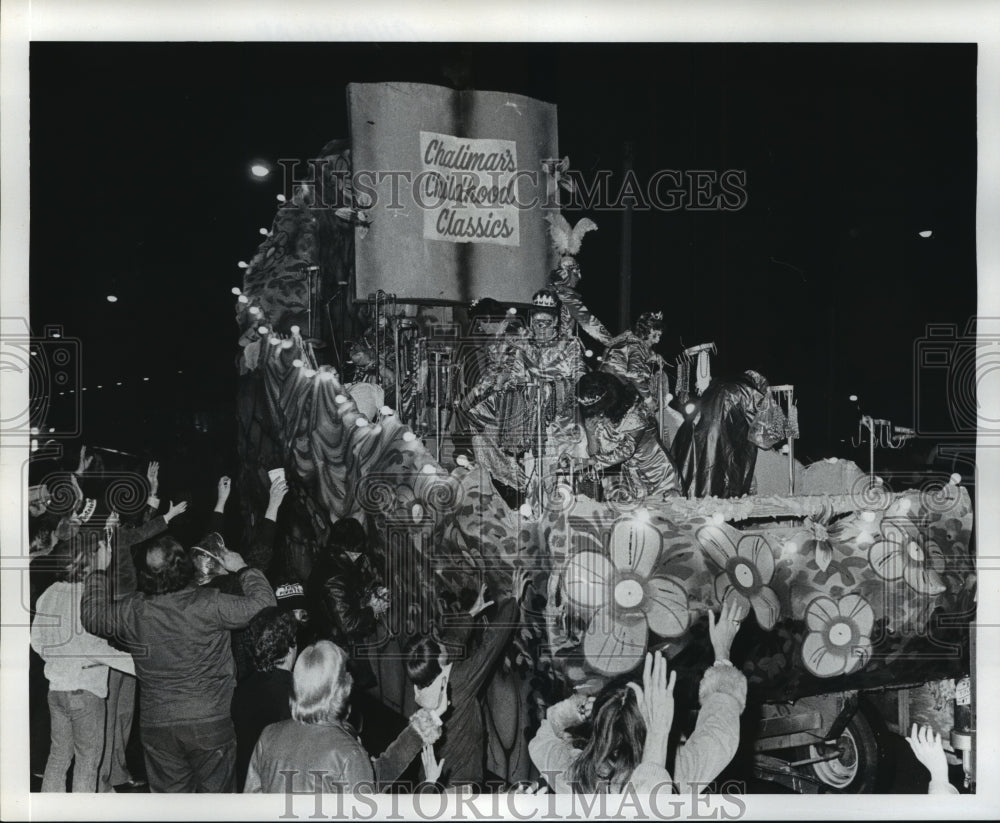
x: 538, y: 450
x: 660, y: 414
x: 437, y: 402
x: 791, y: 465
x: 871, y: 453
x: 396, y: 380
x: 625, y: 270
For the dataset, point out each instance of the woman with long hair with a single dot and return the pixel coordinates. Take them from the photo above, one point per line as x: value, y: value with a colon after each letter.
x: 630, y: 729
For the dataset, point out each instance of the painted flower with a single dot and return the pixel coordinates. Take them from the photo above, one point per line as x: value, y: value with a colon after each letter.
x: 839, y: 639
x: 819, y: 542
x: 747, y: 569
x: 904, y: 553
x: 625, y: 602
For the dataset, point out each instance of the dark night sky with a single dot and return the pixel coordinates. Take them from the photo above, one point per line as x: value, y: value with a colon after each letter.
x: 139, y: 158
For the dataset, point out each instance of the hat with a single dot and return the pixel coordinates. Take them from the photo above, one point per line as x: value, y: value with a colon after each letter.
x: 546, y: 301
x: 211, y: 544
x: 596, y: 392
x: 290, y: 596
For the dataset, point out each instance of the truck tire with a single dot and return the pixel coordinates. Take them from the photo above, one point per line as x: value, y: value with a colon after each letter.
x: 864, y: 766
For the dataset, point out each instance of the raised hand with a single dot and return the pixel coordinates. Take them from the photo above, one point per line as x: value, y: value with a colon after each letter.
x: 481, y: 602
x: 656, y: 705
x: 724, y: 630
x: 379, y: 601
x: 85, y: 461
x: 570, y: 712
x: 432, y: 766
x: 927, y: 747
x: 224, y: 487
x: 531, y: 788
x: 175, y: 509
x: 232, y: 561
x: 153, y: 476
x: 279, y: 488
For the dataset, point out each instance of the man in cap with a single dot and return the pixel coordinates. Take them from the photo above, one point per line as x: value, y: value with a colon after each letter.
x: 179, y: 637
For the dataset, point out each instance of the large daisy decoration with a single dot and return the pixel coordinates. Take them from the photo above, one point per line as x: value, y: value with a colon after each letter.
x: 904, y: 553
x: 746, y: 567
x: 623, y: 598
x: 839, y: 635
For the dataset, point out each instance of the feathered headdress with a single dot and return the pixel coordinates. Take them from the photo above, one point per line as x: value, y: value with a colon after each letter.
x: 566, y: 239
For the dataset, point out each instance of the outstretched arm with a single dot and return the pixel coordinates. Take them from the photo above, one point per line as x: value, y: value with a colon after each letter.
x: 723, y: 695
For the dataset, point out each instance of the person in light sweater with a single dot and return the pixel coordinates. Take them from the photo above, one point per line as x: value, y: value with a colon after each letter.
x: 76, y: 666
x: 630, y: 729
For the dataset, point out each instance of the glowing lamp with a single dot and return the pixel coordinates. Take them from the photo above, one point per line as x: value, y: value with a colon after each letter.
x: 112, y: 299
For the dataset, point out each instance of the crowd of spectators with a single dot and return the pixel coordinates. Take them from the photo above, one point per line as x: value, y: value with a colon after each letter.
x: 245, y: 684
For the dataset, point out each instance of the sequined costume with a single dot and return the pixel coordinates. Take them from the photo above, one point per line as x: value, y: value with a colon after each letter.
x: 503, y: 406
x: 621, y: 431
x: 716, y: 449
x: 629, y: 356
x: 646, y: 467
x: 631, y: 359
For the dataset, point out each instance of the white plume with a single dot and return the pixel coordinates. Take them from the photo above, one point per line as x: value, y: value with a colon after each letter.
x: 567, y: 239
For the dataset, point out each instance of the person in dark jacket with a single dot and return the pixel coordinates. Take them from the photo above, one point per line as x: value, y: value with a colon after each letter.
x: 716, y: 448
x: 178, y: 635
x: 346, y: 596
x: 207, y: 556
x: 459, y: 673
x: 262, y: 698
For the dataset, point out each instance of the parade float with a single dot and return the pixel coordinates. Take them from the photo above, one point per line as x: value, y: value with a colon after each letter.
x: 359, y: 340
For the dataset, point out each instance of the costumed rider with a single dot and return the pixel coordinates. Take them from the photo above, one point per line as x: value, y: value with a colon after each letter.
x: 629, y: 355
x: 716, y: 448
x: 503, y: 406
x: 620, y: 431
